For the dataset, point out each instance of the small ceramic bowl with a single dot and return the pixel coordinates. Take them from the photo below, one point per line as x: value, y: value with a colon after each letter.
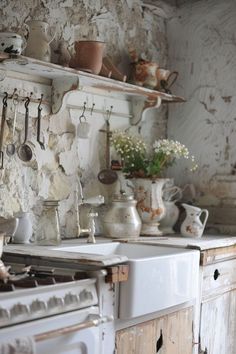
x: 12, y: 43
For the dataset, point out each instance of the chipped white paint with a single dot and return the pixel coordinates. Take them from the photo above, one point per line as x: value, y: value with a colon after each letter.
x: 202, y: 48
x: 120, y: 25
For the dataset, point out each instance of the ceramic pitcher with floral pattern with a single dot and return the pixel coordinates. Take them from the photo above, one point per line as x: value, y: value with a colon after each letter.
x: 192, y: 226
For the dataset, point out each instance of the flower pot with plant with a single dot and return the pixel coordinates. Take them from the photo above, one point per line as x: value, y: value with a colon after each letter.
x: 145, y: 168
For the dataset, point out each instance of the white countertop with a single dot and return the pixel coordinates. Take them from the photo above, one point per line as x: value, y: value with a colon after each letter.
x: 48, y: 252
x: 204, y: 243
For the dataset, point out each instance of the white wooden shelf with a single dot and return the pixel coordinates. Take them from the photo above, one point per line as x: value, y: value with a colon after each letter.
x: 65, y: 80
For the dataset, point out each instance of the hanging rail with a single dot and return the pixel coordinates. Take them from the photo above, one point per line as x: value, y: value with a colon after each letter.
x: 23, y: 98
x: 103, y: 111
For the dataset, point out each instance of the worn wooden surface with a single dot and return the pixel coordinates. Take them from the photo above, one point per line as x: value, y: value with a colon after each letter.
x: 218, y: 301
x: 43, y: 253
x: 117, y: 273
x: 218, y: 324
x: 170, y: 334
x: 217, y: 254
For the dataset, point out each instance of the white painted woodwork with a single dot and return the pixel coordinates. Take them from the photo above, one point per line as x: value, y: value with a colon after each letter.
x: 218, y: 324
x: 225, y: 281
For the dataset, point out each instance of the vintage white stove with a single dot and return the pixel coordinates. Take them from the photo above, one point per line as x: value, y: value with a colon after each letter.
x: 57, y: 308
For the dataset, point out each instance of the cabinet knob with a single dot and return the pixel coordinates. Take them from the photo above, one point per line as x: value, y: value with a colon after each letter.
x: 216, y: 274
x: 4, y: 314
x: 71, y: 299
x: 19, y: 310
x: 55, y: 303
x: 38, y: 306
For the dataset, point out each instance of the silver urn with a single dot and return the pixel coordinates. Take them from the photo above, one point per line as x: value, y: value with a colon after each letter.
x: 122, y: 219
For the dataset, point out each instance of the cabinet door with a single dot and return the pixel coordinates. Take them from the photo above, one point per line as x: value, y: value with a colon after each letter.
x: 170, y: 334
x: 218, y: 324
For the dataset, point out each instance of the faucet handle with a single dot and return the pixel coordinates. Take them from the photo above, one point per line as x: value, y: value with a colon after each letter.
x: 92, y: 215
x: 94, y: 201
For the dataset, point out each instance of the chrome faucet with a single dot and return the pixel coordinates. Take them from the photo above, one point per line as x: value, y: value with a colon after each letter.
x: 92, y: 202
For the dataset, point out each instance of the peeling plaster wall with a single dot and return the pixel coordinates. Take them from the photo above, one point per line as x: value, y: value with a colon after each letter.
x: 120, y: 24
x: 202, y: 47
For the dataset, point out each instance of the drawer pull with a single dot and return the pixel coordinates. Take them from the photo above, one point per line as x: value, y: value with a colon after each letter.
x: 216, y: 274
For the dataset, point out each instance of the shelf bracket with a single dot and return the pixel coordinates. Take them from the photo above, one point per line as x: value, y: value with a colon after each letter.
x: 61, y: 87
x: 142, y: 106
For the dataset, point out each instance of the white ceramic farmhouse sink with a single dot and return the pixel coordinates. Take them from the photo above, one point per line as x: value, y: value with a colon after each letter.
x: 159, y: 277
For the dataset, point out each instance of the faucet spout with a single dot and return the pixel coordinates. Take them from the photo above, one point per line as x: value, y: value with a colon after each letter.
x: 93, y: 202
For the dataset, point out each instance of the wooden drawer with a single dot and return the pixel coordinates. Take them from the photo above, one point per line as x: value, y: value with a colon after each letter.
x: 219, y: 278
x: 214, y: 255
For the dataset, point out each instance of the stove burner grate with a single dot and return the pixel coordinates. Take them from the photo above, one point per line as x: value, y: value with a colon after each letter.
x: 27, y: 276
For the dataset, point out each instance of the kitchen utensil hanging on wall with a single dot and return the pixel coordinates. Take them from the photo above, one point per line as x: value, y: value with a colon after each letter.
x: 4, y: 114
x: 107, y: 175
x: 83, y: 128
x: 39, y: 124
x: 24, y: 151
x: 11, y: 148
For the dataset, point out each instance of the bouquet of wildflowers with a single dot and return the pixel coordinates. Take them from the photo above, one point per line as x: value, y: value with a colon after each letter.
x: 138, y: 161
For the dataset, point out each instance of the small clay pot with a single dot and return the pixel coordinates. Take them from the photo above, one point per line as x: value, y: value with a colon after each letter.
x: 88, y: 56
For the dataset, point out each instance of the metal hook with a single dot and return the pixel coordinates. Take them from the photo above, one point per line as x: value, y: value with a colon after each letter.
x: 5, y: 99
x: 109, y: 113
x: 15, y: 97
x: 14, y: 92
x: 91, y: 112
x: 27, y: 101
x: 84, y: 109
x: 40, y: 103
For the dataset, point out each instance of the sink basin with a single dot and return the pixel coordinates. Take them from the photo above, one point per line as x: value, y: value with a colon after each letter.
x: 159, y: 277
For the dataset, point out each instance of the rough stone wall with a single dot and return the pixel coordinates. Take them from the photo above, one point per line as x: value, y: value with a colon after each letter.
x: 120, y: 24
x: 202, y: 47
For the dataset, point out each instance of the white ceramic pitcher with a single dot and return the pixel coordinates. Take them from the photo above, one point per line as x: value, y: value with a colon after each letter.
x: 40, y: 37
x: 170, y: 196
x: 192, y: 226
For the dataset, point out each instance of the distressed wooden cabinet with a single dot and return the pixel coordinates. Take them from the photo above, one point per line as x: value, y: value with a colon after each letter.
x: 169, y: 334
x: 213, y: 318
x: 218, y: 302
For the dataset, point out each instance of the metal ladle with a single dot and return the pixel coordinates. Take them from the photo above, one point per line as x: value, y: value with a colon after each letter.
x: 4, y: 114
x: 11, y: 148
x: 39, y: 124
x: 107, y: 175
x: 24, y: 151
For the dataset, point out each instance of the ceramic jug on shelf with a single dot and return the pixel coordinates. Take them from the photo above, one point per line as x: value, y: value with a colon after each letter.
x: 170, y: 196
x: 24, y: 229
x: 192, y: 226
x: 40, y: 35
x: 12, y: 43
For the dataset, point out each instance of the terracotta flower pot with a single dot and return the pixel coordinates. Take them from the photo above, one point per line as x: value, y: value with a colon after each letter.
x: 88, y: 56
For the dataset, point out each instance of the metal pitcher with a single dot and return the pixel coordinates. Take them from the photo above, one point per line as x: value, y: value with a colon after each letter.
x: 122, y: 219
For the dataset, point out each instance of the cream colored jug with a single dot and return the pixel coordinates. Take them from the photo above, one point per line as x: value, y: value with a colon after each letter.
x: 192, y: 226
x: 40, y: 37
x: 170, y: 196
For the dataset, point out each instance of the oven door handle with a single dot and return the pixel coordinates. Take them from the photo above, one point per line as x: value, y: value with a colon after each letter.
x: 70, y: 329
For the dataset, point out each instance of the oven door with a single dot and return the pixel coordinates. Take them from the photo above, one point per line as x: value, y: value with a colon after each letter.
x: 77, y: 332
